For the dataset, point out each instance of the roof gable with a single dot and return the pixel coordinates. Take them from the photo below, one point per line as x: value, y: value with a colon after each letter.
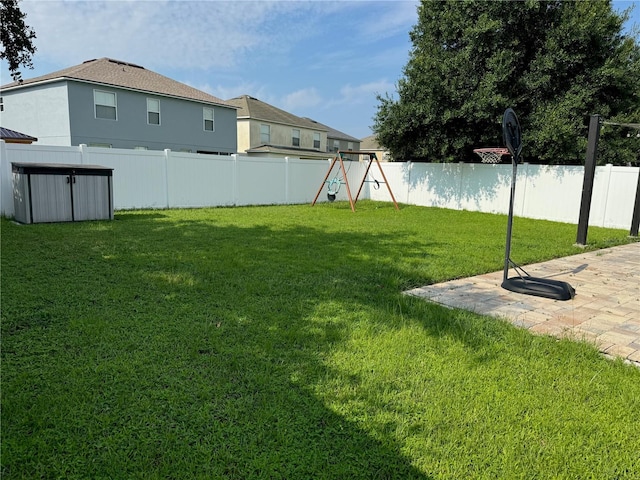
x: 370, y: 142
x: 250, y: 107
x: 333, y: 133
x: 116, y: 73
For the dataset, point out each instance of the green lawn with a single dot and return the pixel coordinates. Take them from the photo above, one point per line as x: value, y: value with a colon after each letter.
x: 275, y: 342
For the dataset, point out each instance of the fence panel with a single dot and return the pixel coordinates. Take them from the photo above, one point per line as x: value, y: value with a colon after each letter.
x: 139, y: 176
x: 304, y: 179
x: 260, y: 181
x: 197, y: 180
x: 620, y: 199
x: 156, y: 179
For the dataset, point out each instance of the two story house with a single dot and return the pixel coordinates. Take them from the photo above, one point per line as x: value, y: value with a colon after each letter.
x: 337, y: 140
x: 267, y: 131
x: 110, y: 103
x: 370, y: 144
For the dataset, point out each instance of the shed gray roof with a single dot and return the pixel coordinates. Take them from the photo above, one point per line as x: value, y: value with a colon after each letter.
x: 107, y: 71
x: 8, y: 134
x: 250, y: 107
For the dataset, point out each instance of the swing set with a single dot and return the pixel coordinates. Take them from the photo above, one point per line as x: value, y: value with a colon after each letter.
x: 340, y: 178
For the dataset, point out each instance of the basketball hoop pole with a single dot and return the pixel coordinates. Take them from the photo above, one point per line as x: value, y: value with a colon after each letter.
x: 507, y: 254
x: 524, y: 283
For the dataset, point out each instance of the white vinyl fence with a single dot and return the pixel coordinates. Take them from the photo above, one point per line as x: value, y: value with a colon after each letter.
x: 167, y: 179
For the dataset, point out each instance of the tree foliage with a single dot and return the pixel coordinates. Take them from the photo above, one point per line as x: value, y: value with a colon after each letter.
x: 16, y: 38
x: 554, y: 62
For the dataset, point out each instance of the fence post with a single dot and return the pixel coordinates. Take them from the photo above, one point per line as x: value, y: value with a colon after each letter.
x: 234, y: 180
x: 6, y: 182
x: 635, y: 219
x: 167, y: 155
x: 83, y: 152
x: 286, y: 180
x: 589, y: 174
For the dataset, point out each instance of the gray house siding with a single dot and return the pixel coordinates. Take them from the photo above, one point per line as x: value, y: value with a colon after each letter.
x: 179, y: 119
x: 343, y: 145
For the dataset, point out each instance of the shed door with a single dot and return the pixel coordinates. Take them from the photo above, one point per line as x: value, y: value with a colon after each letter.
x: 91, y: 197
x: 51, y: 198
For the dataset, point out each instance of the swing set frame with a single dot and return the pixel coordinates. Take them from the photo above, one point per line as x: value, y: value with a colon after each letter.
x: 339, y: 159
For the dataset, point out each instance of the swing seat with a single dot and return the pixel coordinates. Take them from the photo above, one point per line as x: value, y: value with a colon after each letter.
x: 331, y: 196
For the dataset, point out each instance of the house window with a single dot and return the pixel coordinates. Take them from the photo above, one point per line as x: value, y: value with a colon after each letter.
x: 1, y: 104
x: 105, y: 105
x: 153, y: 111
x: 316, y: 140
x: 265, y: 134
x: 350, y: 146
x: 100, y: 145
x: 207, y: 115
x: 336, y: 145
x: 295, y: 137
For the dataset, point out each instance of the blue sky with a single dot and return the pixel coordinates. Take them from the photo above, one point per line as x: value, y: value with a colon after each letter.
x: 326, y: 60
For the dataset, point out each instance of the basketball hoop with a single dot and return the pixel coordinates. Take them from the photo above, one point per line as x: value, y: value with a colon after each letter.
x: 491, y: 155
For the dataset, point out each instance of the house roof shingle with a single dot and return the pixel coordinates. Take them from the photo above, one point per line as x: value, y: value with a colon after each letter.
x: 370, y: 143
x: 116, y: 73
x: 250, y: 107
x: 333, y: 133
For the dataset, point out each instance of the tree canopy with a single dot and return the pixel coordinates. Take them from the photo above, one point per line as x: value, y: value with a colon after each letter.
x: 554, y: 62
x: 16, y: 38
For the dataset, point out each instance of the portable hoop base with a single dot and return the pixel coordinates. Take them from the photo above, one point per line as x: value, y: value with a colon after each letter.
x: 526, y: 284
x: 540, y: 287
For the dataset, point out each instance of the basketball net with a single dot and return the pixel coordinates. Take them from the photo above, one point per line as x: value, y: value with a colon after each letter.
x: 491, y: 155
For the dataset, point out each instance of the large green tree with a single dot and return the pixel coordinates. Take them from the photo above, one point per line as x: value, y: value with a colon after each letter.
x: 554, y: 62
x: 16, y: 38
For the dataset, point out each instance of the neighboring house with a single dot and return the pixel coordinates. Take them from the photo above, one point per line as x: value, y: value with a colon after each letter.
x: 337, y: 140
x: 370, y: 144
x: 11, y: 136
x: 109, y: 103
x: 267, y: 131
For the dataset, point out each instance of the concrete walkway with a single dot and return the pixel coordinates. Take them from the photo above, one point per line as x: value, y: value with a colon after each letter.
x: 605, y: 310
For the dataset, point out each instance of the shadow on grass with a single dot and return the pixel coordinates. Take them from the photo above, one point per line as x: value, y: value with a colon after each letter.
x: 204, y: 347
x: 184, y: 348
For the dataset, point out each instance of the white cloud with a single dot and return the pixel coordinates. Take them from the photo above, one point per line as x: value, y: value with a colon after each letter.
x: 226, y: 92
x: 301, y: 99
x: 192, y: 34
x: 363, y: 93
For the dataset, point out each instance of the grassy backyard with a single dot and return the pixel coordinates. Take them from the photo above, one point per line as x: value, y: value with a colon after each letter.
x: 275, y: 342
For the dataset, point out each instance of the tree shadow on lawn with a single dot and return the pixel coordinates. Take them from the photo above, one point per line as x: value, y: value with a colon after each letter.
x: 196, y: 350
x: 182, y: 359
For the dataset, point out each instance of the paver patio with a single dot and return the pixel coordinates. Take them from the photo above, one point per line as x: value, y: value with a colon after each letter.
x: 605, y: 310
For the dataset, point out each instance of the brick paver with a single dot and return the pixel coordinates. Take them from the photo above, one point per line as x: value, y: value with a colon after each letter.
x: 605, y: 310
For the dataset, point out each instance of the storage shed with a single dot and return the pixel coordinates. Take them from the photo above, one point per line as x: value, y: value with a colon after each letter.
x: 46, y: 192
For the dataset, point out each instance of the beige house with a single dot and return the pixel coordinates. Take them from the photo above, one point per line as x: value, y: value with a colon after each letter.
x: 266, y: 131
x: 338, y: 141
x: 370, y: 144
